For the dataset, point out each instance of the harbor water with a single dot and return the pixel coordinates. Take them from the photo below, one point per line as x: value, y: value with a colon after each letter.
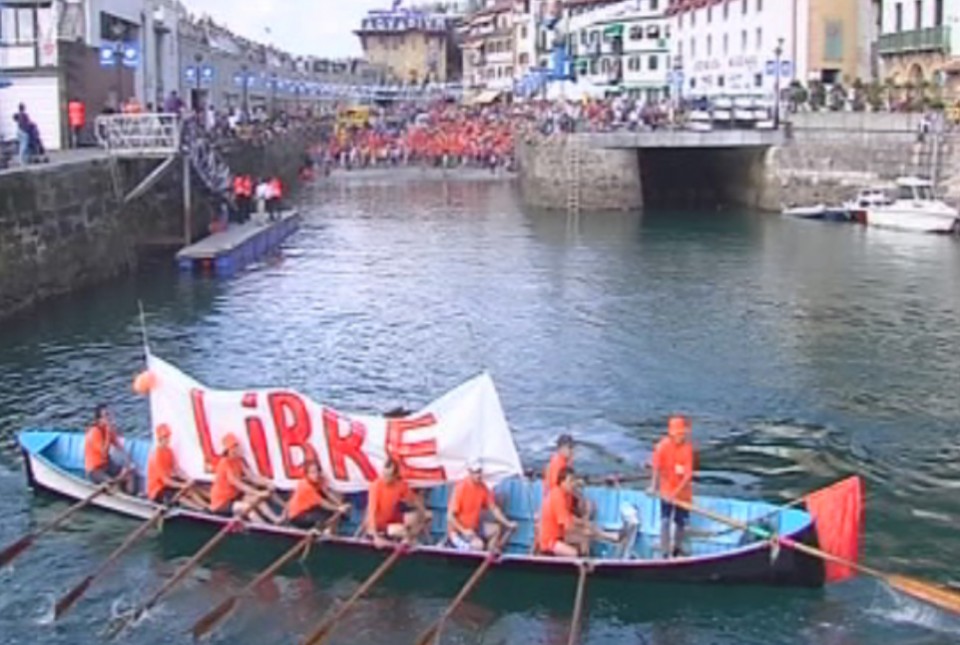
x: 802, y: 352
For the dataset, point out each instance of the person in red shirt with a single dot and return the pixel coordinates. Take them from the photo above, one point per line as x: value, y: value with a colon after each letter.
x: 562, y: 532
x: 562, y: 458
x: 164, y: 477
x: 470, y: 498
x: 388, y: 514
x: 673, y: 465
x: 100, y: 463
x: 312, y: 501
x: 236, y: 489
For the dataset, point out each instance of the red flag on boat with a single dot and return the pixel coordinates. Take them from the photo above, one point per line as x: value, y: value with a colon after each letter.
x: 838, y: 513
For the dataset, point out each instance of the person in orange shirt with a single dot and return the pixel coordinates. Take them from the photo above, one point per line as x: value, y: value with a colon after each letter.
x: 312, y: 501
x: 100, y: 463
x: 562, y: 533
x: 388, y: 517
x: 164, y: 477
x: 236, y: 489
x: 470, y: 498
x: 673, y: 465
x: 562, y: 458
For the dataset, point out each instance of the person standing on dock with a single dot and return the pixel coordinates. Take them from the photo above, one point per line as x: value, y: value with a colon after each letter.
x: 236, y: 489
x: 312, y: 502
x: 672, y: 465
x: 388, y: 509
x: 470, y: 498
x: 100, y: 462
x: 77, y: 120
x: 164, y: 477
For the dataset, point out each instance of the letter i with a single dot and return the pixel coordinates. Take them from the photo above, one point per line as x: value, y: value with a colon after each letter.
x: 257, y: 436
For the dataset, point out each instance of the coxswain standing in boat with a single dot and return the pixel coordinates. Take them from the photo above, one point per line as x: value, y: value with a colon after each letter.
x: 388, y: 515
x: 562, y: 532
x: 470, y: 498
x: 99, y: 461
x: 312, y: 502
x: 673, y: 465
x: 236, y: 489
x: 165, y: 479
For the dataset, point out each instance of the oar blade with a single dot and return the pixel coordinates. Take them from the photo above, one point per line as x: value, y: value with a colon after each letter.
x: 67, y: 601
x: 213, y: 618
x: 15, y: 549
x: 946, y: 599
x: 432, y: 635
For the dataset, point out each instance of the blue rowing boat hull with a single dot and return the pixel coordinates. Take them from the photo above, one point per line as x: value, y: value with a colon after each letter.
x: 53, y: 462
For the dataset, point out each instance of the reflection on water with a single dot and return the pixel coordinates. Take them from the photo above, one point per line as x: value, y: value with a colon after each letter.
x: 802, y: 351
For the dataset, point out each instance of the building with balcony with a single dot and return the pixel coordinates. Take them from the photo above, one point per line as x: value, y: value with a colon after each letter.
x: 489, y: 48
x: 622, y: 48
x: 919, y: 42
x: 748, y: 47
x: 414, y: 47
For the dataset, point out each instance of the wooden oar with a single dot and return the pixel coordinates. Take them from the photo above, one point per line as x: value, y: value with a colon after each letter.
x: 67, y: 600
x: 431, y: 635
x: 213, y: 617
x: 927, y: 592
x: 324, y: 629
x: 121, y: 623
x: 578, y: 605
x: 13, y: 550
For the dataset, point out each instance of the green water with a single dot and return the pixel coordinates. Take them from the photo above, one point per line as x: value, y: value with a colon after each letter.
x: 802, y: 351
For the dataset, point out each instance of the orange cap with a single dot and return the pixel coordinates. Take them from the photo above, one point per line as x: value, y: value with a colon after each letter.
x: 678, y: 426
x: 230, y: 441
x: 163, y: 431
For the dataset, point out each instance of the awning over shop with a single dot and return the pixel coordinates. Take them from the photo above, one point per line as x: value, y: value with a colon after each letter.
x: 613, y: 30
x: 485, y: 97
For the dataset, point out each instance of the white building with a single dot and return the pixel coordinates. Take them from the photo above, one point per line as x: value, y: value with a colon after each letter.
x: 622, y: 47
x: 730, y: 47
x: 920, y: 42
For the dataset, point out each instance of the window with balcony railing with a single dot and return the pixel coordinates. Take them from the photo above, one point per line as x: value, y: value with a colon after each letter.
x: 931, y: 39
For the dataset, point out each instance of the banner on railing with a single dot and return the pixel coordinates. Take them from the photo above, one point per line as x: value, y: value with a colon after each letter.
x: 278, y: 429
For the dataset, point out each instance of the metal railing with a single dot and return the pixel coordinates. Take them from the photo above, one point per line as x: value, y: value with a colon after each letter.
x: 144, y: 135
x: 929, y: 39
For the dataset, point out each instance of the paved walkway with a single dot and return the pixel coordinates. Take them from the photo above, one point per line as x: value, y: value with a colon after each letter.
x: 58, y: 157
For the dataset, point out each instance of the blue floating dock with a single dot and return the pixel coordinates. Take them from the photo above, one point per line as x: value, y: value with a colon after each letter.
x: 228, y: 251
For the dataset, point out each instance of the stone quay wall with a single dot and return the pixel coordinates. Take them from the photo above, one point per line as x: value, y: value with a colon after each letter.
x: 64, y: 227
x: 829, y: 157
x: 609, y: 179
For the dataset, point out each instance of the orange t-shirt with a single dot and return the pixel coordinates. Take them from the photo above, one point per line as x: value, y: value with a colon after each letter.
x: 160, y: 468
x: 223, y: 491
x: 556, y: 516
x: 306, y: 497
x: 674, y: 462
x: 468, y: 501
x: 552, y: 472
x: 384, y: 502
x: 96, y: 447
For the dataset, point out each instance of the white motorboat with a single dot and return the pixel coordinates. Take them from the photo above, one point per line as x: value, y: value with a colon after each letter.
x: 866, y: 199
x: 915, y: 208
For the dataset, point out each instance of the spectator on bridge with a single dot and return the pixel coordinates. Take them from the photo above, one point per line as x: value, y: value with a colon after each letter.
x: 173, y: 104
x: 77, y: 119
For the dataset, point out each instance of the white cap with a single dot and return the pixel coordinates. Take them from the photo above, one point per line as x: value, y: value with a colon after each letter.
x: 474, y: 465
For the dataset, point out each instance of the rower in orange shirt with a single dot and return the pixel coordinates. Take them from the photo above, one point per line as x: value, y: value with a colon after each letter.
x: 312, y: 501
x: 562, y: 533
x: 236, y: 489
x: 673, y: 464
x: 164, y: 477
x: 102, y: 465
x: 387, y: 504
x: 562, y: 458
x: 470, y: 498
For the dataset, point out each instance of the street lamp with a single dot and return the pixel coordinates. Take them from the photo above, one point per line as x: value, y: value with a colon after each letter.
x: 244, y: 69
x: 198, y: 58
x: 118, y: 31
x: 273, y: 94
x: 778, y: 53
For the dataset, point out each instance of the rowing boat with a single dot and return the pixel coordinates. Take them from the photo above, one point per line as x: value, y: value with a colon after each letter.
x: 54, y: 464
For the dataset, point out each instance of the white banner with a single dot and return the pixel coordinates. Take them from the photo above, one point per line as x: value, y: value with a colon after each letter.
x: 279, y: 428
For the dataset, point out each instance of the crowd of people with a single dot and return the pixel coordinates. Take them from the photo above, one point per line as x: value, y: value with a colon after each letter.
x: 396, y: 512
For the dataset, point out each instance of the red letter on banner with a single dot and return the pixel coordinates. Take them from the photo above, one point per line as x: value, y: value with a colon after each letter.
x: 210, y: 456
x: 342, y: 447
x: 257, y: 436
x: 401, y: 451
x: 292, y: 422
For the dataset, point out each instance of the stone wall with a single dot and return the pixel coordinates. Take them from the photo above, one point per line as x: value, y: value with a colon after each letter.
x: 64, y: 226
x: 609, y: 179
x: 829, y: 157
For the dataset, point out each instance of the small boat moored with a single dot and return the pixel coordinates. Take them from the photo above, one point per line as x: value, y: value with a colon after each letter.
x: 915, y: 208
